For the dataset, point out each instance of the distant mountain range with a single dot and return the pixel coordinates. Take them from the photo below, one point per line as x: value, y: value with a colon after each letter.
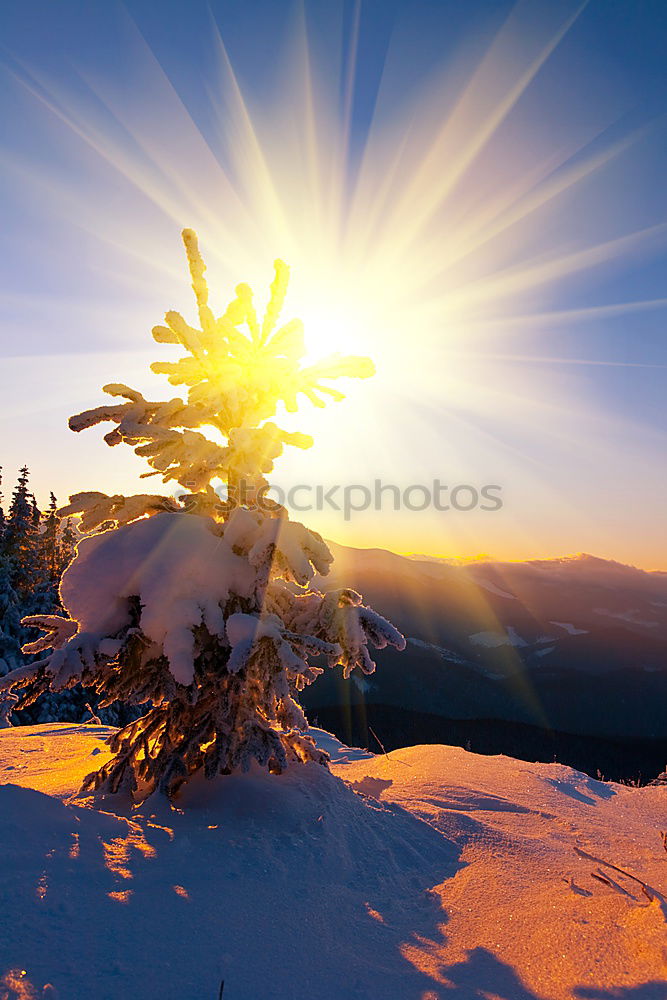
x: 566, y: 646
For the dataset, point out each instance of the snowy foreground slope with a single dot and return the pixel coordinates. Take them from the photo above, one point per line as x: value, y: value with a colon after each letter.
x: 431, y: 873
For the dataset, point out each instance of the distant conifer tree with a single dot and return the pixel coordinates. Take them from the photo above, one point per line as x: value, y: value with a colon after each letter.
x: 20, y: 572
x: 50, y: 541
x: 11, y: 632
x: 66, y: 547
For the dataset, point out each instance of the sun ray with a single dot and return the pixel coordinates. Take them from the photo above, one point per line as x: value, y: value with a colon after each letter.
x: 449, y: 237
x: 430, y: 184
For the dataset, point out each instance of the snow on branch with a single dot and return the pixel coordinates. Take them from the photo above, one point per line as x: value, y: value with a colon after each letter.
x: 96, y: 509
x: 200, y: 610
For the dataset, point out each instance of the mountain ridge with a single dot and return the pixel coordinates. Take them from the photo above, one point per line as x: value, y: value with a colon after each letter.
x: 571, y: 645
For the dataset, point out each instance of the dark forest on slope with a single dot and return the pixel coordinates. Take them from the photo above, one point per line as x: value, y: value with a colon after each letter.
x: 35, y: 548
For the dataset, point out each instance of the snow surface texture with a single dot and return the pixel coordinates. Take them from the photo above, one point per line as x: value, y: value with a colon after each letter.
x: 427, y: 874
x: 494, y: 639
x: 570, y: 628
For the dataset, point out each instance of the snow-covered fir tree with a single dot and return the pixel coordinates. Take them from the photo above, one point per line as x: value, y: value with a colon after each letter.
x: 21, y: 572
x: 21, y: 537
x: 201, y: 610
x: 50, y: 540
x: 66, y: 547
x: 10, y: 609
x: 27, y: 585
x: 11, y: 631
x: 34, y: 551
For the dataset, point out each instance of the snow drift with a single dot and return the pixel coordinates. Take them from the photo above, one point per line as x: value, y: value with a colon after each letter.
x: 426, y: 875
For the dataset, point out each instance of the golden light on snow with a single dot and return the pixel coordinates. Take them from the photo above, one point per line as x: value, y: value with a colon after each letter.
x: 490, y: 889
x: 17, y: 985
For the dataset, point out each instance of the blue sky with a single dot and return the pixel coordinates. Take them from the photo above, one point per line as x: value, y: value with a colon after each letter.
x: 123, y: 124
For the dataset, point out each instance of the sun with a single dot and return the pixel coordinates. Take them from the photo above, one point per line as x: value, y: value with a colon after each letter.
x: 334, y: 321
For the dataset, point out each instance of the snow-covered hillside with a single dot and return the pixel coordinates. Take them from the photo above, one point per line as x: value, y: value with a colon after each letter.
x: 430, y: 873
x: 527, y: 642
